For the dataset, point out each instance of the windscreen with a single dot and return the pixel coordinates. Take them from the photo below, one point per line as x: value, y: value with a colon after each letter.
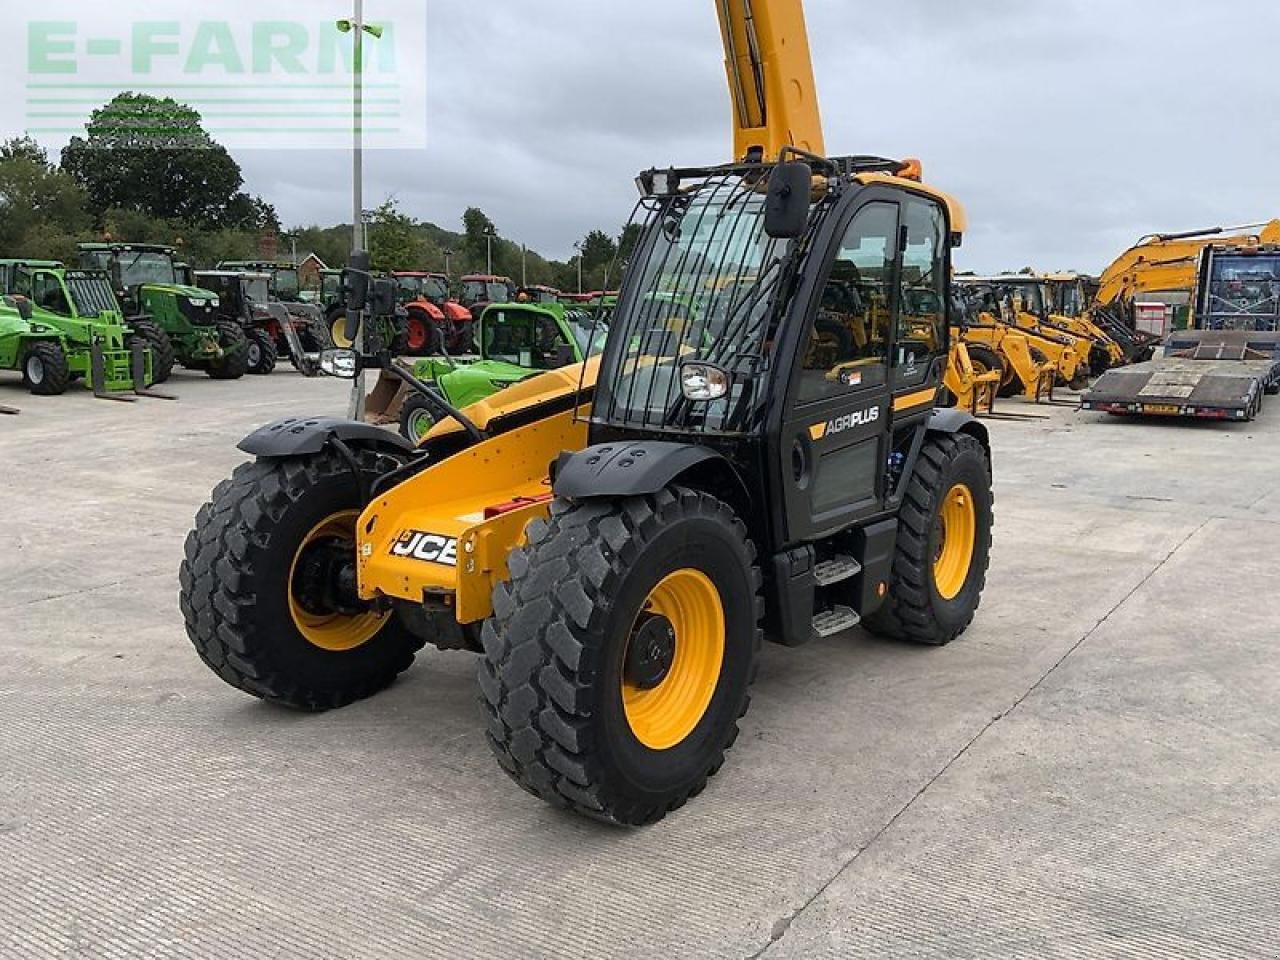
x: 699, y: 288
x: 140, y: 267
x: 257, y: 289
x: 434, y: 288
x: 410, y: 288
x: 287, y: 284
x: 1244, y: 293
x: 91, y: 293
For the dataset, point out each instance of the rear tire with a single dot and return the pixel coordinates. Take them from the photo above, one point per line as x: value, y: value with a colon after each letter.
x: 44, y: 369
x: 985, y: 360
x: 238, y: 596
x: 930, y: 602
x: 570, y: 720
x: 163, y: 358
x: 261, y: 353
x: 234, y: 363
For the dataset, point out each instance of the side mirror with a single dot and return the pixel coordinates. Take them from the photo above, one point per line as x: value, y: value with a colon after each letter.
x: 343, y: 364
x: 786, y: 211
x: 385, y: 298
x: 355, y: 282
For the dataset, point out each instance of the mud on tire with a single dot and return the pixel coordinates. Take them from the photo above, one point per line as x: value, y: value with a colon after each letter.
x: 234, y: 363
x: 550, y: 678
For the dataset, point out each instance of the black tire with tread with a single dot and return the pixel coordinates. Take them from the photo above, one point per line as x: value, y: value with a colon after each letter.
x: 234, y: 586
x: 53, y: 361
x: 549, y: 679
x: 985, y: 357
x: 163, y: 356
x: 267, y: 353
x: 234, y: 363
x: 914, y: 610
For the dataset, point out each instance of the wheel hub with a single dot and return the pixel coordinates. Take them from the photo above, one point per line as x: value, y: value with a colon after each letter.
x: 324, y: 580
x: 35, y: 370
x: 651, y: 652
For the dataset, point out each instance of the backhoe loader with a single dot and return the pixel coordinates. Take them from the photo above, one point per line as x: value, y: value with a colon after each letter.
x: 615, y: 539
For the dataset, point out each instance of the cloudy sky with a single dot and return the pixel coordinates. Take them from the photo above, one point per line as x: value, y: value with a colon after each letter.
x: 1067, y: 127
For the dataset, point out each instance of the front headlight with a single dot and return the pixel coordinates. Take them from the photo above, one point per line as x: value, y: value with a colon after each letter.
x: 703, y: 382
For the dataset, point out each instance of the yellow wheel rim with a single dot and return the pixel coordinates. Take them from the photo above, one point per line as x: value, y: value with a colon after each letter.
x: 957, y: 533
x: 335, y: 632
x: 662, y: 716
x: 338, y: 333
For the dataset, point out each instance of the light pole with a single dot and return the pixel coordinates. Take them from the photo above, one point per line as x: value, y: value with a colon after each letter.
x: 524, y: 265
x: 358, y: 28
x: 578, y: 247
x: 489, y: 234
x: 448, y: 264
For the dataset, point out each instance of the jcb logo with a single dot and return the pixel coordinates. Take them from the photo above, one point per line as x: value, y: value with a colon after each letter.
x: 427, y: 547
x: 848, y: 422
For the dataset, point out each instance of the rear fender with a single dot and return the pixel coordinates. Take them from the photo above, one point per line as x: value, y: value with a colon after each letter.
x: 613, y: 470
x: 298, y: 437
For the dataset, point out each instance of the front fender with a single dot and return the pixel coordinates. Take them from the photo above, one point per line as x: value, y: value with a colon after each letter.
x: 614, y: 470
x: 955, y: 421
x: 300, y: 436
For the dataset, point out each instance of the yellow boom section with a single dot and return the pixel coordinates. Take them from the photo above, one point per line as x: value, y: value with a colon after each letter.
x: 771, y: 82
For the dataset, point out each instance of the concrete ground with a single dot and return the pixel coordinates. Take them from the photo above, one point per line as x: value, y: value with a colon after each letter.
x: 1092, y: 771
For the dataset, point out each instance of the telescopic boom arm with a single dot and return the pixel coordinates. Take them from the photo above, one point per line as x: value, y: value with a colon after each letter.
x: 771, y: 82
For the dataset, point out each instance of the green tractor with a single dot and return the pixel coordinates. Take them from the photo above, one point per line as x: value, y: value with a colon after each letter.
x: 181, y: 321
x: 517, y: 341
x: 81, y: 307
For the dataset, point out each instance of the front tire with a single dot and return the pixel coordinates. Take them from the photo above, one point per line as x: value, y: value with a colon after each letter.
x: 234, y: 362
x: 417, y: 417
x: 163, y: 357
x: 944, y: 545
x: 44, y: 370
x: 262, y: 355
x: 620, y: 653
x: 258, y: 605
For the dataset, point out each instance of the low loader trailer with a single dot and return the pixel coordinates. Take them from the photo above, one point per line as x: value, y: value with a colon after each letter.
x: 1223, y: 367
x: 1205, y: 374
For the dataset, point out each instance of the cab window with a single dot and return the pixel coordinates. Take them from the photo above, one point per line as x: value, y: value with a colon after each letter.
x: 848, y: 346
x: 47, y: 294
x: 922, y: 314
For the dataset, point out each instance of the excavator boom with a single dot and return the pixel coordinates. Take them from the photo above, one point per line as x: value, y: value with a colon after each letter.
x: 771, y: 81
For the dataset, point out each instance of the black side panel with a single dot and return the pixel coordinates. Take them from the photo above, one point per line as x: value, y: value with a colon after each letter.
x: 625, y: 469
x: 298, y: 437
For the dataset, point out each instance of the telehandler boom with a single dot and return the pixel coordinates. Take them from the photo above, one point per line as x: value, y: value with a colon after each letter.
x: 757, y: 452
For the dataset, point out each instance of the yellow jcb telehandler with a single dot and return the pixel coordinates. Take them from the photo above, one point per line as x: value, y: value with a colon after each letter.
x: 615, y: 542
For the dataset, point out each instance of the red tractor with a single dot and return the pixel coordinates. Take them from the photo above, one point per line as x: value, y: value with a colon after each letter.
x: 480, y: 290
x: 436, y: 322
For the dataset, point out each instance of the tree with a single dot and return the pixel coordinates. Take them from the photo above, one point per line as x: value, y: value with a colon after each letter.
x: 627, y: 241
x: 394, y: 241
x: 476, y: 227
x: 42, y: 210
x: 153, y: 155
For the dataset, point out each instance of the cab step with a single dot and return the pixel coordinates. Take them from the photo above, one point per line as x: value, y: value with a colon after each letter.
x: 836, y: 620
x: 836, y: 570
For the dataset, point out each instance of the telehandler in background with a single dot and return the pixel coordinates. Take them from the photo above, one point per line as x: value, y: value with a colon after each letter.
x: 757, y: 452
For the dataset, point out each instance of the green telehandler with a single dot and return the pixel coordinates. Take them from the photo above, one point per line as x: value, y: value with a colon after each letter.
x: 81, y: 306
x: 181, y: 321
x: 37, y: 351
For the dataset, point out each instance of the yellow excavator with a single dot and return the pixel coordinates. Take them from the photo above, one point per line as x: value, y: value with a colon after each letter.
x: 758, y: 452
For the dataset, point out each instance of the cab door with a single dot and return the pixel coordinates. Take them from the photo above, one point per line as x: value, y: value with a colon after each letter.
x: 832, y: 443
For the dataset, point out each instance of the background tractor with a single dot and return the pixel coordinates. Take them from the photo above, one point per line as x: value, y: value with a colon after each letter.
x: 517, y: 342
x: 180, y: 322
x: 435, y: 323
x: 477, y: 291
x: 272, y: 329
x: 286, y: 289
x: 82, y: 307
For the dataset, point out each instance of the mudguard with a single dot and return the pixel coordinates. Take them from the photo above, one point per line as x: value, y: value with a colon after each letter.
x: 299, y: 436
x: 954, y: 420
x: 626, y: 469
